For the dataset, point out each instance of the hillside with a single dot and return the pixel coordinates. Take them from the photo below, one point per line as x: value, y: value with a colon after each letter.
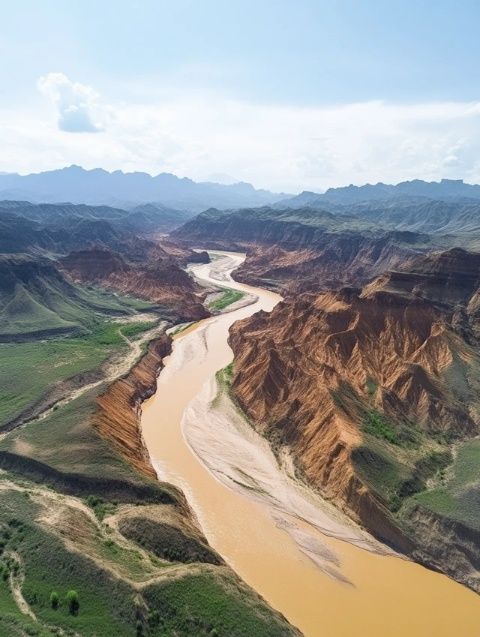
x: 159, y: 280
x: 36, y: 301
x: 375, y: 394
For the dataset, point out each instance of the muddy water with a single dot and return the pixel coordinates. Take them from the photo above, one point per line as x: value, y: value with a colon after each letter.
x: 387, y: 596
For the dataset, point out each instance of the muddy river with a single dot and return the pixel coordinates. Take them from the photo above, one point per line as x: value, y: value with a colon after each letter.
x: 324, y: 575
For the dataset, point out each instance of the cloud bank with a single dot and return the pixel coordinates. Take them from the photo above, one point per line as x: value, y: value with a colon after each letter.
x: 76, y: 104
x: 277, y: 147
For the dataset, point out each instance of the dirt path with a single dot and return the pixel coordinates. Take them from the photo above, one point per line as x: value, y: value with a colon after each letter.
x: 57, y: 516
x: 16, y: 582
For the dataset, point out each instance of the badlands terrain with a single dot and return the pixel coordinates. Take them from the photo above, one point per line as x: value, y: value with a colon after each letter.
x: 340, y: 441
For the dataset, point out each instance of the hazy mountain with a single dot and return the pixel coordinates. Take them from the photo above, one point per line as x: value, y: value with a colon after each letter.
x: 444, y: 189
x: 76, y: 185
x: 222, y: 178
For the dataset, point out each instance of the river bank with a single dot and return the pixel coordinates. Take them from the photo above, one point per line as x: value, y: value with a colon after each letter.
x: 318, y: 574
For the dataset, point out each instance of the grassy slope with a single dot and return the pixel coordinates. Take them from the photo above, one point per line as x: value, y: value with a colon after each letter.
x: 429, y: 470
x: 65, y: 441
x: 457, y: 494
x: 29, y: 369
x: 55, y: 305
x: 195, y: 602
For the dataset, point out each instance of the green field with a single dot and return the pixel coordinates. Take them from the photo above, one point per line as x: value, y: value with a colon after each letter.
x: 228, y: 297
x: 30, y: 369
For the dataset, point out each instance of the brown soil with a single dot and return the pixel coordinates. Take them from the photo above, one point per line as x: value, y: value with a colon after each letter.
x: 118, y: 415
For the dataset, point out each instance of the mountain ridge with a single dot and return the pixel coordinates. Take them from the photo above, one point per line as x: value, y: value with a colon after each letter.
x: 445, y: 188
x: 129, y: 189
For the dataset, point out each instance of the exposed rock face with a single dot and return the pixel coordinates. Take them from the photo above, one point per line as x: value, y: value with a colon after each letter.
x: 160, y: 280
x: 344, y: 259
x: 118, y: 409
x: 303, y: 249
x: 448, y: 278
x: 364, y: 388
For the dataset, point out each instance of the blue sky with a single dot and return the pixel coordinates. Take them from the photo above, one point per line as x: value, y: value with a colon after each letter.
x: 287, y: 95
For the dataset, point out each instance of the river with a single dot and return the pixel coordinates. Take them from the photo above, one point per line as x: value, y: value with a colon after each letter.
x: 373, y: 594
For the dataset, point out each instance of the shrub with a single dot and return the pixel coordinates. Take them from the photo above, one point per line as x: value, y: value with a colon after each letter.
x: 73, y: 602
x: 54, y: 600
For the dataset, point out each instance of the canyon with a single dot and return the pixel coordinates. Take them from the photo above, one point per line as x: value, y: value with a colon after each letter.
x: 177, y: 397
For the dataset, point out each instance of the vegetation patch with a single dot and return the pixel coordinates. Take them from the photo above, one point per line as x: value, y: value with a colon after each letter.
x: 211, y: 605
x: 180, y: 328
x: 100, y: 507
x: 134, y: 330
x: 375, y: 424
x: 458, y: 494
x: 228, y: 297
x: 167, y: 542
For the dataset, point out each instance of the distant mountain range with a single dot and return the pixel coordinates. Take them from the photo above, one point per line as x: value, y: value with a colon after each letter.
x: 347, y: 195
x: 128, y: 190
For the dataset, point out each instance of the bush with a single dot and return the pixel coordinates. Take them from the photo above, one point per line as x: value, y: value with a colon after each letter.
x: 377, y: 425
x: 54, y: 600
x: 73, y: 602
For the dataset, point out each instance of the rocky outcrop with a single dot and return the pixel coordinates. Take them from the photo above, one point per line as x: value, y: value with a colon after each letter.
x: 446, y: 278
x: 446, y: 545
x: 117, y: 417
x: 368, y: 389
x: 344, y: 259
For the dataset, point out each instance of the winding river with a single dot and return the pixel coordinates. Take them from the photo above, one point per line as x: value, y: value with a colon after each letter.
x: 325, y: 575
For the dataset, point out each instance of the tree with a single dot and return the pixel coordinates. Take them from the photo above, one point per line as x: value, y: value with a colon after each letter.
x: 54, y: 600
x: 73, y: 602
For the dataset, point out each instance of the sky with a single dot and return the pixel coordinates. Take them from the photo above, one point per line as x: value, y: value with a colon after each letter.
x: 287, y: 95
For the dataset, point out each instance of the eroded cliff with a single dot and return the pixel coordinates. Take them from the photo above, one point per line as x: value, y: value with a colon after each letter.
x: 117, y: 416
x: 158, y: 279
x: 374, y: 391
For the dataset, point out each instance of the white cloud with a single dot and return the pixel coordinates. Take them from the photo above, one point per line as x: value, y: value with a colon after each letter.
x: 77, y: 105
x: 276, y: 147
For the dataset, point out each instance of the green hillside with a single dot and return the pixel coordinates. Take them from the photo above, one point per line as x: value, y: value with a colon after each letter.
x: 37, y: 301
